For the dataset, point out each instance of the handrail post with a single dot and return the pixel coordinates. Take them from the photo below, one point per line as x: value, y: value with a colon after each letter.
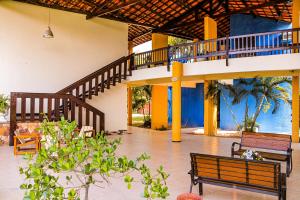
x: 131, y: 63
x: 227, y: 50
x: 168, y: 58
x: 13, y: 120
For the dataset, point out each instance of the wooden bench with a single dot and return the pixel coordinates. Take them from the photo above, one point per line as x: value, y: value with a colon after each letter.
x: 257, y: 176
x: 269, y: 145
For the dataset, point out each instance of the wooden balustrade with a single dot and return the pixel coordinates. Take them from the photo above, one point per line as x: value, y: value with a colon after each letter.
x: 101, y: 79
x: 259, y: 44
x: 31, y: 107
x: 154, y: 57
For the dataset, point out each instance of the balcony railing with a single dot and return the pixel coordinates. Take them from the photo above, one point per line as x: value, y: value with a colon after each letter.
x: 259, y: 44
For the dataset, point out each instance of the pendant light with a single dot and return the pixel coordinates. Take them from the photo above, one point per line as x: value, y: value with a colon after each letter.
x: 48, y: 33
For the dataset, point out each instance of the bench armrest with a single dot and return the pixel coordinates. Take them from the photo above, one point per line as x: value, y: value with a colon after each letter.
x: 233, y: 146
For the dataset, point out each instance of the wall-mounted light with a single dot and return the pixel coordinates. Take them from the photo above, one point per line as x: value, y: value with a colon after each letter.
x: 48, y: 32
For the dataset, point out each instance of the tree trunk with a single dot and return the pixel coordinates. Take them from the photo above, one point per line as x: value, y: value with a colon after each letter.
x: 144, y: 114
x: 230, y: 109
x: 257, y: 112
x: 86, y: 196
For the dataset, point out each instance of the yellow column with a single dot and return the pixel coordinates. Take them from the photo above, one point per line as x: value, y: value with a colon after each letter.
x: 210, y: 109
x: 159, y: 41
x: 210, y: 113
x: 210, y: 28
x: 177, y: 72
x: 296, y: 20
x: 295, y: 109
x: 159, y: 106
x: 129, y: 106
x: 130, y: 47
x: 159, y: 112
x: 195, y: 49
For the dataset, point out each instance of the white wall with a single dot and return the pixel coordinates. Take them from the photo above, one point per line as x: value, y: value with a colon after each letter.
x: 31, y: 63
x: 113, y: 101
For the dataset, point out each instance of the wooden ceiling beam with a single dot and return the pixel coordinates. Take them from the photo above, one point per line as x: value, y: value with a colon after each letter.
x: 226, y: 6
x: 183, y: 15
x: 54, y: 6
x: 113, y: 9
x: 252, y: 8
x: 278, y: 11
x: 240, y: 11
x: 246, y: 6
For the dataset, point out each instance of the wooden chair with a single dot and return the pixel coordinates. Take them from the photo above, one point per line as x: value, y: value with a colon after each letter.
x: 270, y: 146
x: 86, y: 132
x: 257, y: 176
x: 26, y: 143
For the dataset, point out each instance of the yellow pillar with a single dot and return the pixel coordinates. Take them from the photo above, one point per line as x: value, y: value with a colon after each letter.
x: 210, y: 113
x: 159, y: 106
x: 296, y: 20
x: 296, y: 14
x: 130, y: 47
x: 129, y: 106
x: 159, y: 112
x: 210, y: 28
x: 295, y: 109
x: 210, y: 109
x: 195, y: 49
x: 177, y: 72
x: 159, y: 40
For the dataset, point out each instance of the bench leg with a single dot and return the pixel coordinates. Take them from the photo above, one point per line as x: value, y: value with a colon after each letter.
x: 283, y: 195
x: 191, y: 187
x: 289, y: 166
x: 200, y: 189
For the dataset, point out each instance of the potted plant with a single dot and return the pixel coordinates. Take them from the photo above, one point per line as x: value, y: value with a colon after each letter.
x: 4, y: 105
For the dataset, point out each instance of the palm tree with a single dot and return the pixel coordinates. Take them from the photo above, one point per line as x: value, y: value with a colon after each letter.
x: 266, y: 91
x: 215, y: 90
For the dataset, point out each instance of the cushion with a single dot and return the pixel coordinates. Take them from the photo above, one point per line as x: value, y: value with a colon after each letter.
x: 189, y: 196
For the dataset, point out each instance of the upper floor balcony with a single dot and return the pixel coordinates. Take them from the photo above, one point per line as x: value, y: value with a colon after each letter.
x: 276, y: 50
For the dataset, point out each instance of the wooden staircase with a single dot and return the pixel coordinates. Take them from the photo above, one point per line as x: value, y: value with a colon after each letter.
x: 101, y: 79
x: 70, y: 102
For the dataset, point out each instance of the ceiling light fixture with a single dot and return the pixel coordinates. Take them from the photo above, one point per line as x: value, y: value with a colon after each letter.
x: 48, y: 33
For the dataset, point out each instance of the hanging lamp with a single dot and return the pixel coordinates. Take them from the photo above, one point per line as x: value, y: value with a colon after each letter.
x: 48, y: 32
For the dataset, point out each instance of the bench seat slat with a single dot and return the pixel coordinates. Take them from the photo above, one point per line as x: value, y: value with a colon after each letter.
x: 270, y: 141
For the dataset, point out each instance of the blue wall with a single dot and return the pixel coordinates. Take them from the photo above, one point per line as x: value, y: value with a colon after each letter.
x: 192, y: 106
x: 277, y: 123
x: 241, y: 24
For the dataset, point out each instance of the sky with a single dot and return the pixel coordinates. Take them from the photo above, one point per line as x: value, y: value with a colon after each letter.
x: 147, y: 46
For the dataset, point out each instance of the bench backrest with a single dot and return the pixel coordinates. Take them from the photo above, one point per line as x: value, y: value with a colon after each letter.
x: 270, y: 141
x: 235, y: 170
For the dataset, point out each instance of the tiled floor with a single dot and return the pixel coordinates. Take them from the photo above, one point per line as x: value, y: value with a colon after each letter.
x: 173, y: 156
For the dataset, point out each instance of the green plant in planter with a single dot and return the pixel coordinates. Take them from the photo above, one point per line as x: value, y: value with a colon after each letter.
x: 70, y: 165
x: 4, y: 103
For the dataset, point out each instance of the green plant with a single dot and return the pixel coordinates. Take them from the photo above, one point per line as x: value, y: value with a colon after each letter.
x: 142, y: 96
x: 175, y: 41
x: 247, y: 122
x: 162, y: 128
x: 266, y: 92
x: 4, y: 103
x: 73, y: 164
x: 147, y: 122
